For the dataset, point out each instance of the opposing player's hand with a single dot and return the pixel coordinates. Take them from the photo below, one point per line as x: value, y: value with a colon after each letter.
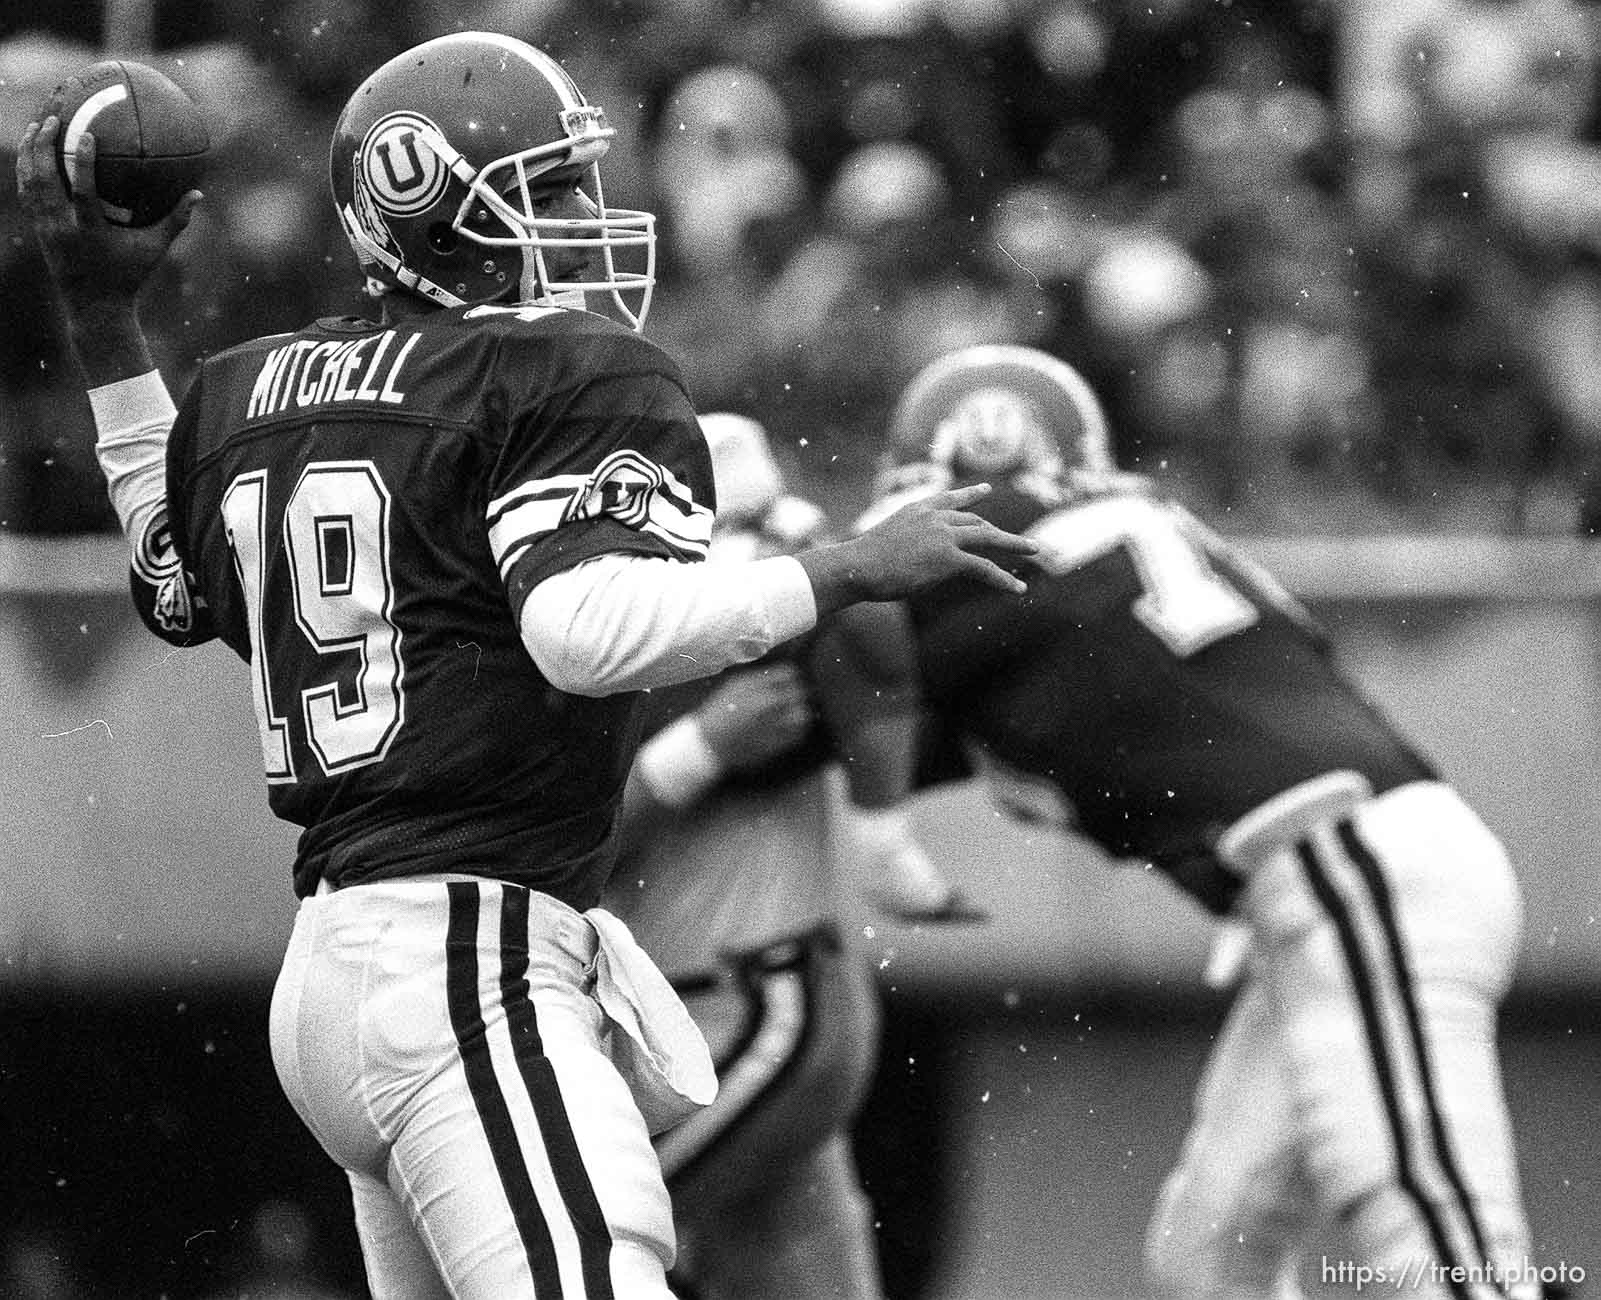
x: 756, y: 715
x: 922, y: 543
x: 95, y: 263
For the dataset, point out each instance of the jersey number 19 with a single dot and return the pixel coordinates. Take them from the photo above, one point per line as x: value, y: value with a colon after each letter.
x: 335, y: 534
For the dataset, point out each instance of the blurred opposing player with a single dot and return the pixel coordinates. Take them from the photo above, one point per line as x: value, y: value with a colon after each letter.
x: 452, y: 546
x: 1169, y: 702
x: 737, y: 822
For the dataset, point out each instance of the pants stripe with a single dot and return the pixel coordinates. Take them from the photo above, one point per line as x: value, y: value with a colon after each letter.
x: 1365, y: 984
x: 467, y: 1019
x: 1372, y: 873
x: 780, y: 1005
x: 555, y: 1126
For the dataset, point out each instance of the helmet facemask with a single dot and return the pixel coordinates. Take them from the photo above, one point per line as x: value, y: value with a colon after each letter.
x: 994, y: 411
x: 506, y: 192
x: 994, y: 432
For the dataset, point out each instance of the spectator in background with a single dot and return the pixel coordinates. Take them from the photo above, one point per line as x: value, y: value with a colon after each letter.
x: 269, y: 248
x: 736, y: 201
x: 723, y: 162
x: 278, y: 1260
x: 1456, y: 293
x: 893, y: 72
x: 1152, y: 325
x: 1291, y: 414
x: 890, y: 277
x: 39, y: 1263
x: 829, y: 316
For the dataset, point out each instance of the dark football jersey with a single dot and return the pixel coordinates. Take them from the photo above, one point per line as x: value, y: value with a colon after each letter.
x: 360, y: 511
x: 1162, y: 683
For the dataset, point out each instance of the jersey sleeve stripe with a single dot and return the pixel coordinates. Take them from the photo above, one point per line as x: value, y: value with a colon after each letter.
x: 558, y: 488
x: 627, y: 488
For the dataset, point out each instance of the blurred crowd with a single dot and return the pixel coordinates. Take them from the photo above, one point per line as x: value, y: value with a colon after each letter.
x: 1334, y: 265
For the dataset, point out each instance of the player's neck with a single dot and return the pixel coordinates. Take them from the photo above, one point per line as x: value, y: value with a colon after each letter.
x: 404, y: 306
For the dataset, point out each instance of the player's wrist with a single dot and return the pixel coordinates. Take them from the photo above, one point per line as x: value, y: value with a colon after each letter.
x: 105, y: 337
x: 838, y: 574
x: 678, y: 765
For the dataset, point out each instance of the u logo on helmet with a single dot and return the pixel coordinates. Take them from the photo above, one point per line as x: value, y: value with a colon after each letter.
x: 403, y: 176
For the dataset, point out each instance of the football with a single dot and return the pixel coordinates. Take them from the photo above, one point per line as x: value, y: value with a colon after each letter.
x: 151, y: 142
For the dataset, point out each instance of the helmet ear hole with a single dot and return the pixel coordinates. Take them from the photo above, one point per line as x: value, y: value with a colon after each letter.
x: 442, y: 237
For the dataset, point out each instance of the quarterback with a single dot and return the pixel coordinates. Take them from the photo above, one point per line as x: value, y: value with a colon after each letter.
x: 453, y: 545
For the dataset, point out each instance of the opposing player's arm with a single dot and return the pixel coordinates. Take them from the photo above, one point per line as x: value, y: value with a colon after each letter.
x: 751, y: 717
x: 864, y: 661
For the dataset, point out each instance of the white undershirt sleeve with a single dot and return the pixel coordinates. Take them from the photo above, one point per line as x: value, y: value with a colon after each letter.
x: 628, y: 622
x: 132, y: 419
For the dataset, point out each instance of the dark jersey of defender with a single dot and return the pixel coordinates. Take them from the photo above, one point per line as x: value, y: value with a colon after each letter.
x: 360, y: 512
x: 1164, y: 686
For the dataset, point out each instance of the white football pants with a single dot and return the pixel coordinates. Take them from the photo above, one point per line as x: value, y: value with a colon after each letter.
x: 1356, y: 1080
x: 443, y: 1042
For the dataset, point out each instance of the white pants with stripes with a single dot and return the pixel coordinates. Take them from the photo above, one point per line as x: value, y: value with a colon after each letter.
x: 1356, y: 1082
x: 442, y: 1042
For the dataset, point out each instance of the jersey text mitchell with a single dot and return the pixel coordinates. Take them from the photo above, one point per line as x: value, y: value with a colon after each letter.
x: 306, y: 373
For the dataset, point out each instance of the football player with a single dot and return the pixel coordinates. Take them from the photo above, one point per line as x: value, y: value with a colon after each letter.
x: 1178, y: 707
x: 453, y: 544
x: 735, y: 821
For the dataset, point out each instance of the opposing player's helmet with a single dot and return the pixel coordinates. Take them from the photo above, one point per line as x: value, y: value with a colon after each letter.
x: 436, y: 164
x: 993, y: 411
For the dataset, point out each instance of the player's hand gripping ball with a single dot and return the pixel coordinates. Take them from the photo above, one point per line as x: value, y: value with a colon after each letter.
x: 151, y: 143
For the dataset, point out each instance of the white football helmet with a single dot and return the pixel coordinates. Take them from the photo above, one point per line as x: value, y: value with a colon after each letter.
x: 995, y: 411
x: 756, y: 514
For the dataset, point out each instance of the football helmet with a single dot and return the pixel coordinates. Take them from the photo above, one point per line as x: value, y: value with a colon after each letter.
x: 756, y: 514
x: 995, y: 411
x: 442, y: 164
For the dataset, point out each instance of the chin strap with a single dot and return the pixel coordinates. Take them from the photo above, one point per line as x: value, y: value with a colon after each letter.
x: 370, y: 253
x: 571, y: 299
